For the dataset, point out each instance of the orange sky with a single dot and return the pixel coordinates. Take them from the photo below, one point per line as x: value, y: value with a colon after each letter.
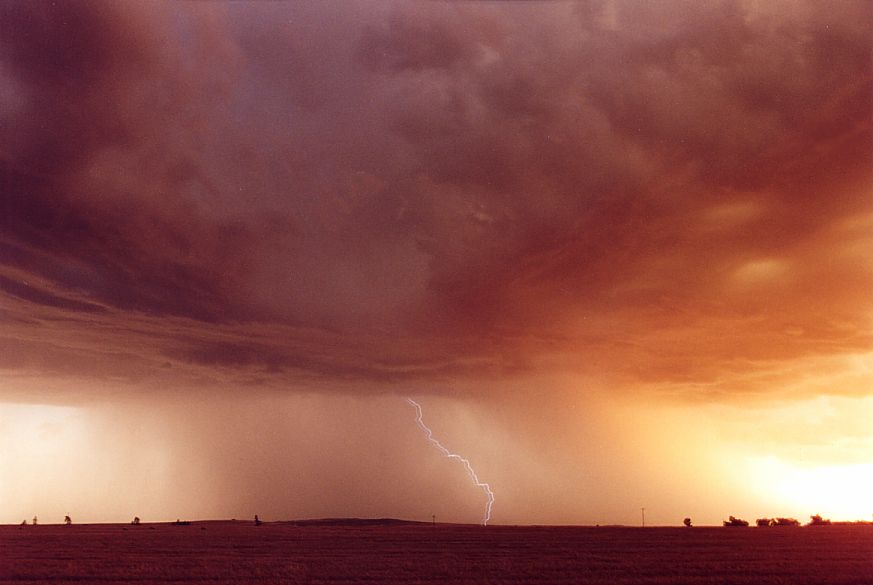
x: 619, y: 251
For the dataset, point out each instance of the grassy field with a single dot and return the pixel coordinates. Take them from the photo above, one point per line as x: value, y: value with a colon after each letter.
x: 238, y: 552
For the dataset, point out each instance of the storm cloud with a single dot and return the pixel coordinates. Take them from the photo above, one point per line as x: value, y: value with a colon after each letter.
x: 664, y: 193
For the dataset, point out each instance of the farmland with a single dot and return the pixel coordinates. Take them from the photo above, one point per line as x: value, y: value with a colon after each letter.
x: 409, y: 553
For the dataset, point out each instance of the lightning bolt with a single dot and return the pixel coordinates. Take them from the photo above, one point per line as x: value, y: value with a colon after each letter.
x: 475, y: 478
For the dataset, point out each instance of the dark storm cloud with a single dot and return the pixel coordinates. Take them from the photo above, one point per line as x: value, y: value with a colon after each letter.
x: 68, y: 58
x: 393, y: 190
x: 41, y: 297
x: 122, y: 252
x: 79, y: 70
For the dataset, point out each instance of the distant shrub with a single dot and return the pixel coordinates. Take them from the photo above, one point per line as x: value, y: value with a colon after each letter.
x: 786, y: 522
x: 687, y: 522
x: 818, y: 521
x: 732, y: 521
x: 761, y: 522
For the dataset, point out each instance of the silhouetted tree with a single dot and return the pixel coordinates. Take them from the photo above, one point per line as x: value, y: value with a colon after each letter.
x: 135, y: 521
x: 687, y: 522
x: 761, y: 522
x: 731, y: 521
x: 257, y: 520
x: 34, y: 520
x: 68, y: 520
x: 786, y: 522
x: 818, y: 521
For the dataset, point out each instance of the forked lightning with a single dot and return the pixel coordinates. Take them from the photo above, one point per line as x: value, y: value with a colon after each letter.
x: 429, y: 434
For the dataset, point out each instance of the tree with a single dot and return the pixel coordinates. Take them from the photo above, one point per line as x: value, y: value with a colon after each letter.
x: 786, y: 522
x: 817, y: 520
x: 732, y: 521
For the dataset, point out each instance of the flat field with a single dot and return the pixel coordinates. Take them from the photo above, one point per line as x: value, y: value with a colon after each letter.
x: 406, y: 553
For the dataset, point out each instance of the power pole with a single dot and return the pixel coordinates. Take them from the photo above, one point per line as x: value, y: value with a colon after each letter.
x: 643, y: 510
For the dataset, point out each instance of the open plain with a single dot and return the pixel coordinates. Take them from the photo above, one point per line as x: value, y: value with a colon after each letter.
x: 410, y: 553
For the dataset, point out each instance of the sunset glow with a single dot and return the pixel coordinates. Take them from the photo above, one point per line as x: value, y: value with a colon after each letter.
x: 836, y: 491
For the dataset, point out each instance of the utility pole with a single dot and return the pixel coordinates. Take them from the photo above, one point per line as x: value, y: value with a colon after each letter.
x: 643, y: 510
x: 433, y: 517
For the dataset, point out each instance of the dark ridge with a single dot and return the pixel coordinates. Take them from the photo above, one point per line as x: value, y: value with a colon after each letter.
x: 352, y: 522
